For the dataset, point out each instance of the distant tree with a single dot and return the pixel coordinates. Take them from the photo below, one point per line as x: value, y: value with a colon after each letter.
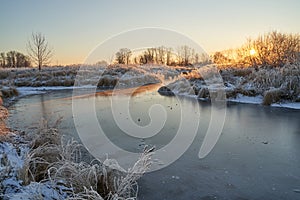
x: 123, y: 56
x: 273, y: 49
x: 14, y: 59
x: 39, y: 50
x: 162, y: 55
x: 135, y: 60
x: 184, y: 55
x: 102, y: 63
x: 22, y: 60
x: 202, y: 59
x: 11, y: 59
x: 2, y: 59
x: 148, y: 56
x: 169, y: 56
x: 197, y: 58
x: 220, y: 58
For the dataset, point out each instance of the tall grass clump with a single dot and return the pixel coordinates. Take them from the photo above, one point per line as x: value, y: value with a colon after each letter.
x: 286, y: 79
x: 8, y: 92
x: 52, y: 159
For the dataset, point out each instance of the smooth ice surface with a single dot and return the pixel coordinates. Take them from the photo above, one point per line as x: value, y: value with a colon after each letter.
x: 256, y: 157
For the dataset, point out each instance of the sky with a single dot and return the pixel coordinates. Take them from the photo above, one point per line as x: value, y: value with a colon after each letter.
x: 73, y: 28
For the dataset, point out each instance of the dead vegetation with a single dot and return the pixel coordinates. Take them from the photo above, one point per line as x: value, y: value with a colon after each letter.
x: 274, y: 84
x: 53, y: 163
x: 3, y: 116
x: 273, y: 49
x: 273, y: 96
x: 8, y: 92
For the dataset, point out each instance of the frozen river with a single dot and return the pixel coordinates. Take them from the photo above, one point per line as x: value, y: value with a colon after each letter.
x: 256, y: 156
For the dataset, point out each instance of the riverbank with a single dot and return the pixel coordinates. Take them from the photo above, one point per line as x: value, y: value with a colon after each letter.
x: 256, y: 143
x: 259, y: 85
x: 19, y: 149
x: 102, y: 76
x: 278, y: 87
x: 266, y: 86
x: 43, y: 164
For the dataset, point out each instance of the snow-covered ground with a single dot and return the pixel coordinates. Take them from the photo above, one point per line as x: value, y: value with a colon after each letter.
x: 13, y: 153
x: 105, y: 76
x: 65, y: 177
x: 287, y: 105
x: 25, y: 91
x: 246, y: 99
x: 259, y: 99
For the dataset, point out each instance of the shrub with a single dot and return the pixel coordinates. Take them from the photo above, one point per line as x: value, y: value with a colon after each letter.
x: 4, y: 74
x: 273, y: 49
x: 242, y: 72
x: 272, y: 96
x: 52, y: 159
x: 8, y: 92
x: 203, y: 93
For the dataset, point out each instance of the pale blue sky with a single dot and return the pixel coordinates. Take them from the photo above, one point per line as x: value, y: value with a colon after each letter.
x: 74, y: 27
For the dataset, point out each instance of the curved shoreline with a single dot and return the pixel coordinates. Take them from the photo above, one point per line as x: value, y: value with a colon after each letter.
x: 28, y: 91
x: 257, y: 100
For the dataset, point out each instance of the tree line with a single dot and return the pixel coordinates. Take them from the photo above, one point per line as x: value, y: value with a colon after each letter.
x: 14, y: 59
x: 273, y: 49
x: 183, y: 56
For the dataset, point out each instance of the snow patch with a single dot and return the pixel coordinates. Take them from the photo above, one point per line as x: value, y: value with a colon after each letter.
x: 295, y: 105
x: 25, y: 91
x: 246, y: 99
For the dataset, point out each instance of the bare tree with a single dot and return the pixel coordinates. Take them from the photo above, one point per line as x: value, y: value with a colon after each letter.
x: 14, y: 59
x: 184, y: 55
x: 273, y: 49
x: 11, y: 59
x: 123, y: 56
x: 2, y: 59
x: 39, y: 50
x: 168, y: 55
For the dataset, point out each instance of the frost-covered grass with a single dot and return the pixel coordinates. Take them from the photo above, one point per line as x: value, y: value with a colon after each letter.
x: 8, y: 92
x: 56, y: 76
x: 249, y: 82
x: 102, y: 76
x: 44, y: 165
x: 275, y: 85
x: 87, y: 75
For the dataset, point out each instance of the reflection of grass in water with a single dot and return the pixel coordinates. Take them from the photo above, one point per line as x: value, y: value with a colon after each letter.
x: 123, y: 92
x: 53, y: 159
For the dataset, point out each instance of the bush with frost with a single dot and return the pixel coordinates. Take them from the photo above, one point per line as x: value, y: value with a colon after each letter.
x: 51, y: 166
